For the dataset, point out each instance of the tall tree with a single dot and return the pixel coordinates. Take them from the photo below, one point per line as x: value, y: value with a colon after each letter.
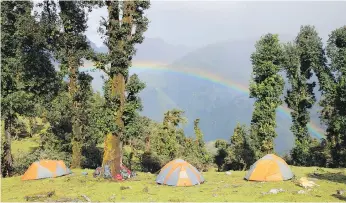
x: 173, y: 118
x: 198, y: 132
x: 334, y: 112
x: 132, y: 105
x: 123, y: 29
x: 241, y: 152
x: 202, y: 153
x: 66, y: 30
x: 222, y: 152
x: 266, y: 87
x: 302, y: 57
x: 170, y: 137
x: 27, y: 75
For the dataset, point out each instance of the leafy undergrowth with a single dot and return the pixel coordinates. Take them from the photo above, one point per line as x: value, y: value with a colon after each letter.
x: 23, y: 145
x: 218, y: 187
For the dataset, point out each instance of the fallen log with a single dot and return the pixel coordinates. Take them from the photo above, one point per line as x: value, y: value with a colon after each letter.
x: 39, y: 196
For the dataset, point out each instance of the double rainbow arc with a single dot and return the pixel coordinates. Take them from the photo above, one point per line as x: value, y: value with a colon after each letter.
x: 212, y: 77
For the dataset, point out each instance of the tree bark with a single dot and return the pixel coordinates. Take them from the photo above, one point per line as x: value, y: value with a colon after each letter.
x: 76, y: 127
x: 119, y: 88
x: 7, y: 156
x: 112, y: 154
x: 113, y: 143
x: 147, y: 140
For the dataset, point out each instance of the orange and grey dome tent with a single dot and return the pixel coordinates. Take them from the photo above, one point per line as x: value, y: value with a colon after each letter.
x: 269, y: 168
x: 46, y: 169
x: 179, y: 173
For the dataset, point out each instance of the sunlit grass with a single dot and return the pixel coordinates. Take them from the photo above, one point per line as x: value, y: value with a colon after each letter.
x: 218, y: 187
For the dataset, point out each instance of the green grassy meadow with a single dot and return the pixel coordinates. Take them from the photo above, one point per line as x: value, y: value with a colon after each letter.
x: 219, y: 187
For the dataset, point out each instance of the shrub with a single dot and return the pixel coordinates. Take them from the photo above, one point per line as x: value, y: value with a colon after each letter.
x: 200, y: 165
x: 132, y: 158
x: 151, y: 162
x: 92, y: 157
x: 24, y: 159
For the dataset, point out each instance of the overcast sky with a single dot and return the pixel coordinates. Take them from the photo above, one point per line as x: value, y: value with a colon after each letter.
x: 198, y: 23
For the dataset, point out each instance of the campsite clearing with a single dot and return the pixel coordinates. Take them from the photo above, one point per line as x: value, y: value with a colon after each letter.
x: 218, y: 187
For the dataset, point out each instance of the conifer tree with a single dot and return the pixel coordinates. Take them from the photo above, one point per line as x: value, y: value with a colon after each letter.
x: 302, y: 57
x: 202, y: 153
x: 266, y: 87
x: 242, y: 154
x: 334, y: 102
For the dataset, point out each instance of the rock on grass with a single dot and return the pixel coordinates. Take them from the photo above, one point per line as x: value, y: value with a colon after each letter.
x: 340, y: 192
x: 125, y: 187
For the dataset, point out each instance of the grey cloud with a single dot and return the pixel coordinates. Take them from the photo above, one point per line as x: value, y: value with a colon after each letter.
x: 197, y: 23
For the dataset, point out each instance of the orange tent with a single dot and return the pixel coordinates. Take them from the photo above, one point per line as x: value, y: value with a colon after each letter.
x: 46, y: 169
x: 269, y: 168
x: 179, y: 173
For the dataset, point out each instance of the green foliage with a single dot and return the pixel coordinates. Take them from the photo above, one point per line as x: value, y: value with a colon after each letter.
x: 27, y: 76
x: 203, y: 156
x: 151, y: 162
x: 238, y: 154
x: 122, y: 102
x: 25, y: 159
x: 319, y: 154
x: 65, y: 32
x: 59, y: 137
x: 334, y: 112
x: 266, y: 87
x: 173, y: 118
x: 169, y: 138
x: 301, y: 57
x: 222, y: 153
x: 59, y: 116
x: 119, y: 38
x: 163, y: 142
x: 132, y: 106
x: 242, y: 152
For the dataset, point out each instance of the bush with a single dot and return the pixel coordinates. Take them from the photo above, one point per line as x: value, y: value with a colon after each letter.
x: 151, y: 162
x: 320, y: 154
x: 200, y: 165
x: 132, y: 158
x: 288, y: 159
x: 92, y: 157
x: 22, y: 162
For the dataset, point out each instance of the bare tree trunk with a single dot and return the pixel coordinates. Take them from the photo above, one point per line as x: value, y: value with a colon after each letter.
x: 7, y: 159
x: 76, y: 127
x: 147, y: 140
x: 119, y: 87
x: 113, y: 143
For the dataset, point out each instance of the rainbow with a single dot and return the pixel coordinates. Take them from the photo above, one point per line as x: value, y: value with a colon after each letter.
x: 316, y: 131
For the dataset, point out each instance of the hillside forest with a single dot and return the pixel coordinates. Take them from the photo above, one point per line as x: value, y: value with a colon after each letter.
x: 69, y: 121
